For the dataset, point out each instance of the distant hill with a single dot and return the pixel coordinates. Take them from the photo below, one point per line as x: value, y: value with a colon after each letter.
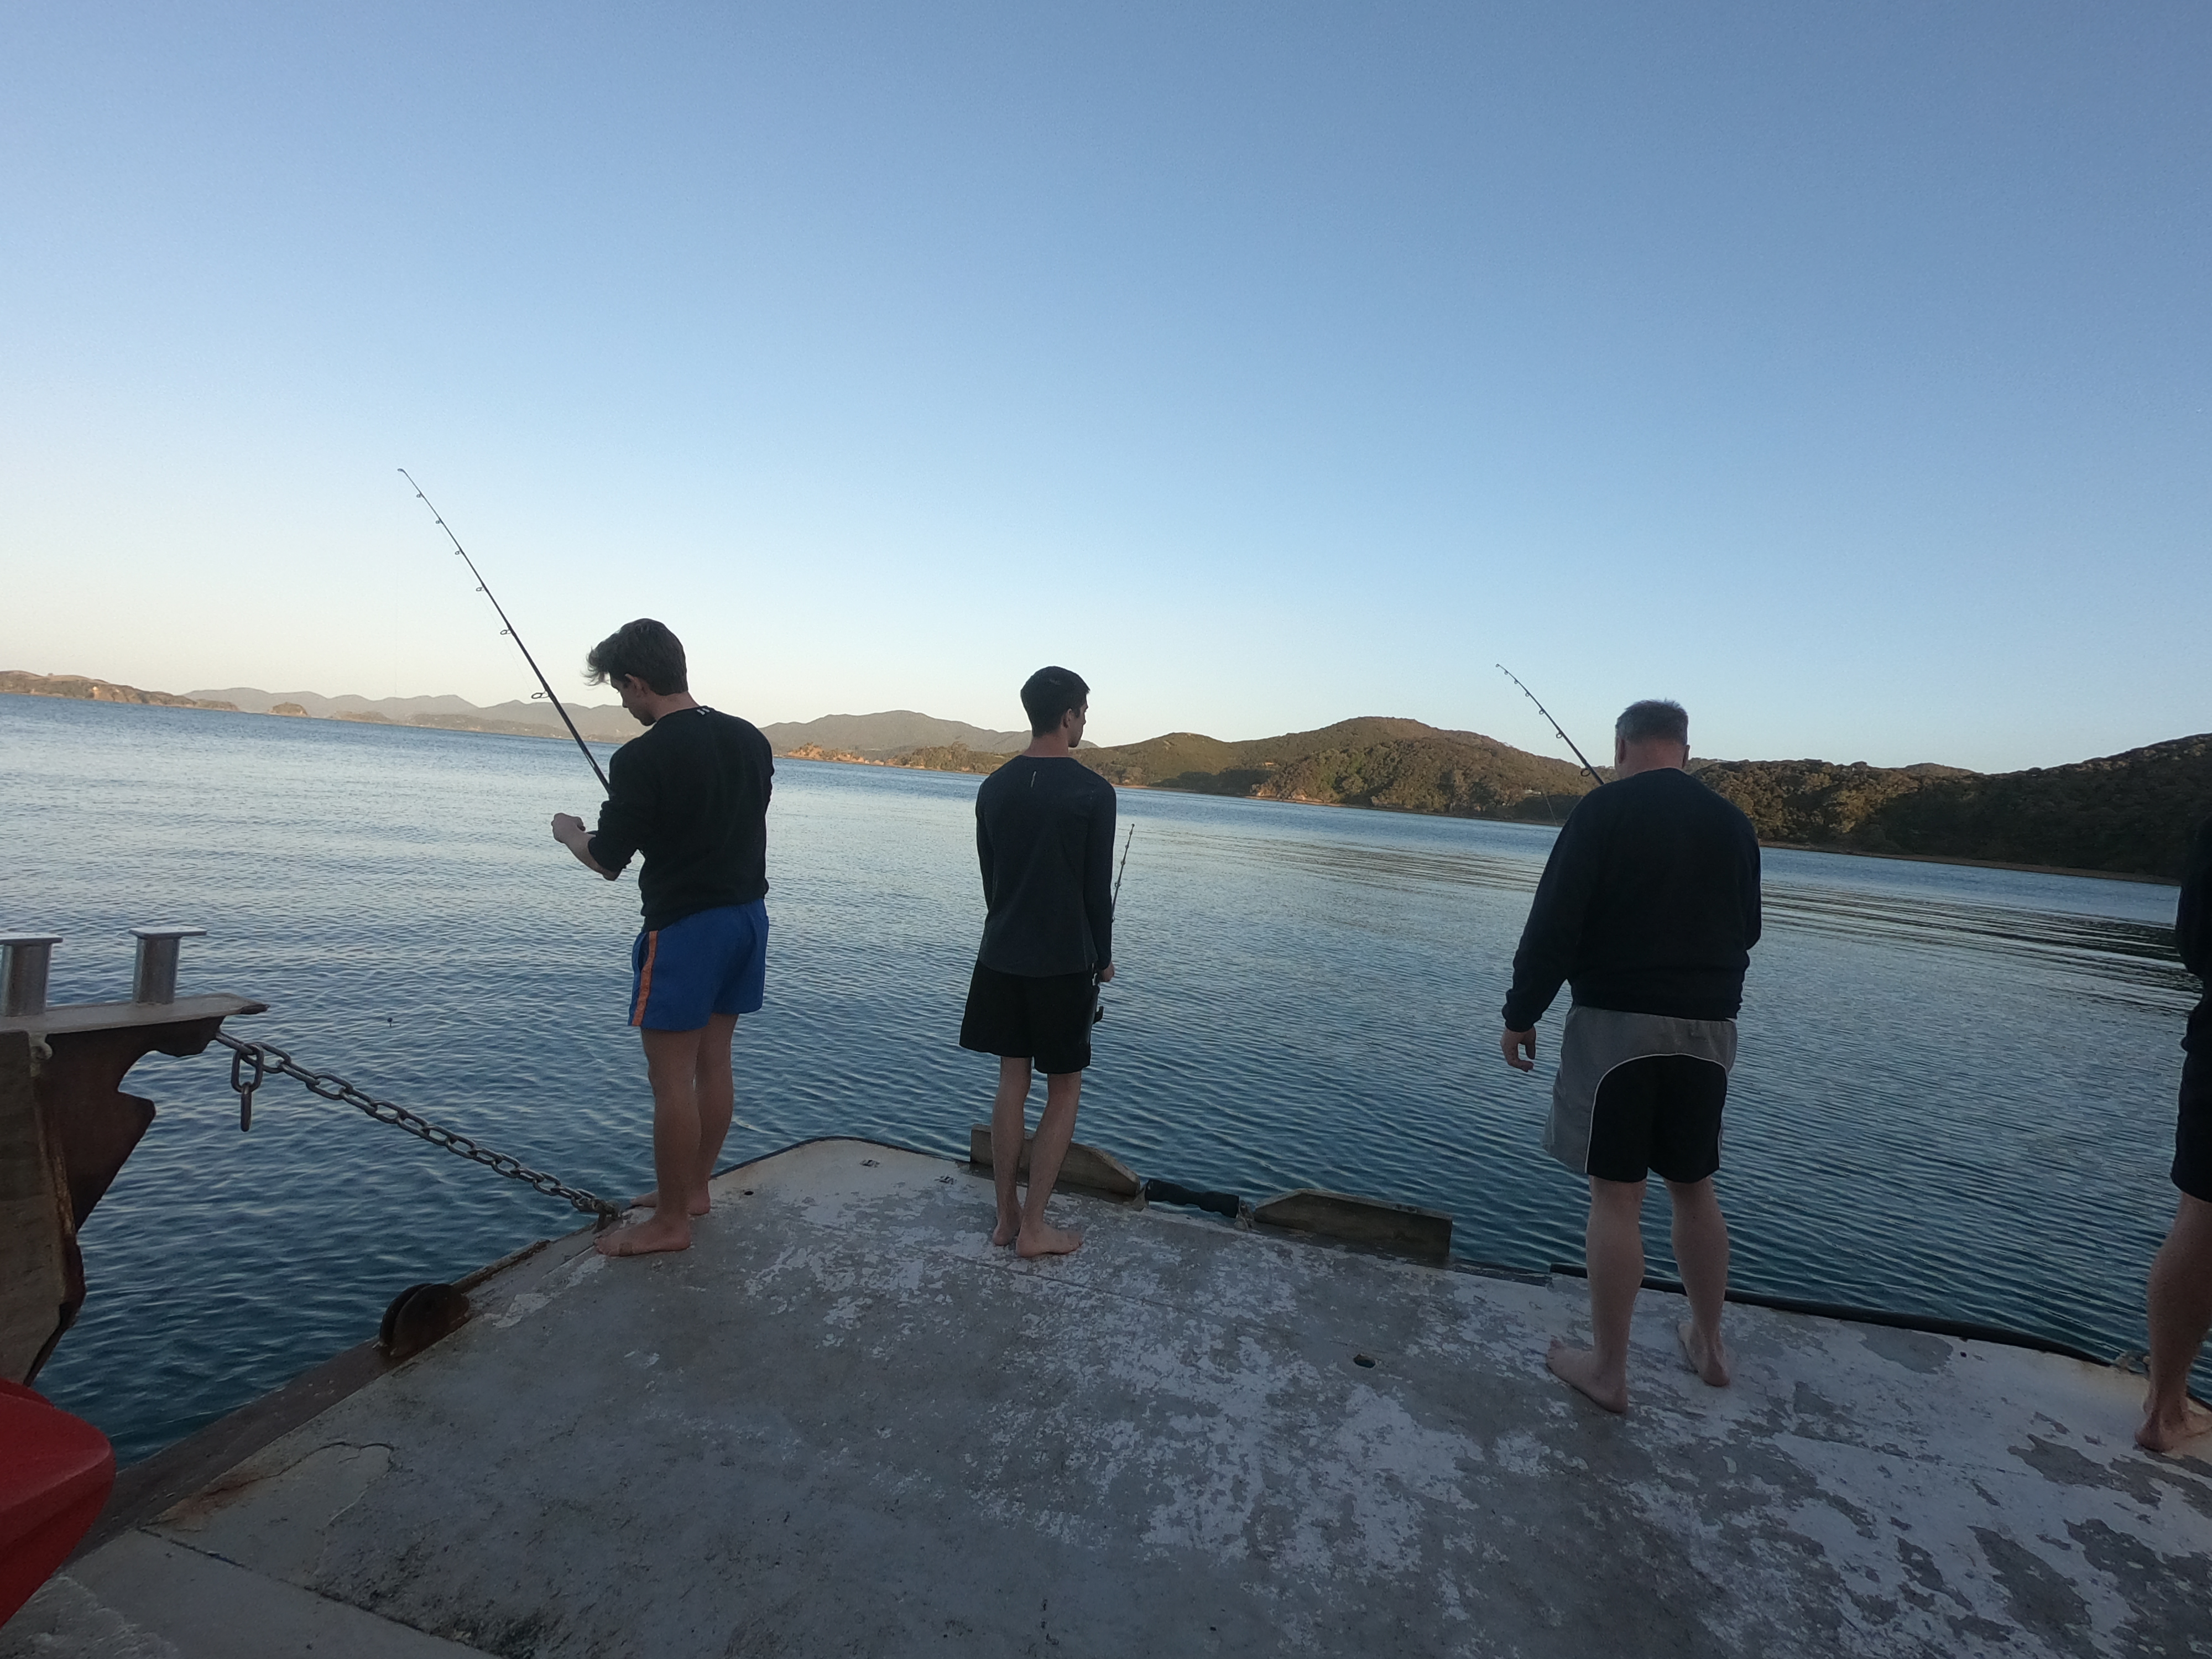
x: 607, y: 722
x: 254, y: 701
x: 2128, y: 814
x: 1398, y: 765
x: 83, y: 690
x: 894, y: 732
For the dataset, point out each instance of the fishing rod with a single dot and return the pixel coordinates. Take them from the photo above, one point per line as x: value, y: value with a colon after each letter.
x: 1556, y: 727
x: 508, y: 628
x: 1097, y: 1012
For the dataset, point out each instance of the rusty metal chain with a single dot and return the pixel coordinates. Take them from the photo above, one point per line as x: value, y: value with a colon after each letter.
x: 252, y: 1062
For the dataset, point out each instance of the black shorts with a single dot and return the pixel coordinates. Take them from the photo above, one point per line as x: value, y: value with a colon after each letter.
x: 1660, y: 1114
x: 2192, y: 1134
x: 1046, y: 1021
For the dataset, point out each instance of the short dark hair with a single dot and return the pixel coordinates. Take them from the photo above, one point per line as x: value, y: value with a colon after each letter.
x: 1654, y: 717
x: 1049, y: 694
x: 644, y: 650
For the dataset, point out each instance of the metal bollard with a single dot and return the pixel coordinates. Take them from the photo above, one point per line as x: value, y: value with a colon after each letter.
x: 155, y: 979
x: 23, y: 960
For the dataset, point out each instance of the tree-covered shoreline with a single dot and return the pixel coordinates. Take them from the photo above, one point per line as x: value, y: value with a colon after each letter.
x: 2128, y: 814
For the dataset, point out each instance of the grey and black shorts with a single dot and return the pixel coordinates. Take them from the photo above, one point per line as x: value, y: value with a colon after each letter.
x: 1640, y: 1092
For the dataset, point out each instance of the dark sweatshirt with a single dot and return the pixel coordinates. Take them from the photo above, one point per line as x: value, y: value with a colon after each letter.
x: 690, y: 792
x: 1044, y: 836
x: 1649, y: 905
x: 2192, y: 932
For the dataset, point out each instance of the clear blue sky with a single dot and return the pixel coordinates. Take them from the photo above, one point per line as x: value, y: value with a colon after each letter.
x: 1839, y: 369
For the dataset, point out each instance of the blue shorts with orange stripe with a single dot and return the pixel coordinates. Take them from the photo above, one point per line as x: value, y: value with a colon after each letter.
x: 711, y: 961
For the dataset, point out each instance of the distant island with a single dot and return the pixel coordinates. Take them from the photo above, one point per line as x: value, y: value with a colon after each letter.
x: 600, y: 722
x: 2127, y: 814
x: 888, y: 736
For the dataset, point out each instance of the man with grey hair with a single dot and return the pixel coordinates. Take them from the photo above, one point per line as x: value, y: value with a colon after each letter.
x: 1649, y: 907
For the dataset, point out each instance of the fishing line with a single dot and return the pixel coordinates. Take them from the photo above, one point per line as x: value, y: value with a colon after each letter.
x: 1547, y: 714
x: 508, y: 628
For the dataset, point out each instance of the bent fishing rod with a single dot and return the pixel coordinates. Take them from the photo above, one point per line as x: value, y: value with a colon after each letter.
x: 508, y: 628
x: 1547, y: 714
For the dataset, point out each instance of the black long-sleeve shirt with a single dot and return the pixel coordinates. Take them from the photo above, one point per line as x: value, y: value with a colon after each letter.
x: 690, y: 792
x: 1044, y: 836
x: 2192, y: 932
x: 1649, y: 905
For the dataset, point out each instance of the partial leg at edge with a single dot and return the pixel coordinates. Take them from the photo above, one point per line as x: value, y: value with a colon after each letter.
x: 2181, y: 1297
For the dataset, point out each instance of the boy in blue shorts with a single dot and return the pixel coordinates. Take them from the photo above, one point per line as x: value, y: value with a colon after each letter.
x: 691, y: 794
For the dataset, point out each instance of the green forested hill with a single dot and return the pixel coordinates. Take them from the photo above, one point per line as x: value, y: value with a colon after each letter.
x: 2128, y: 814
x: 1392, y: 764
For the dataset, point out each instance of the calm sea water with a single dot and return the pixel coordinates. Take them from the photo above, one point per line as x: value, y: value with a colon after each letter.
x: 1955, y: 1095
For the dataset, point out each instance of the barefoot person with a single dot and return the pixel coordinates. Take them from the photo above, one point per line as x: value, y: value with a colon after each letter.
x: 1649, y: 908
x: 691, y: 794
x: 2181, y: 1276
x: 1044, y: 834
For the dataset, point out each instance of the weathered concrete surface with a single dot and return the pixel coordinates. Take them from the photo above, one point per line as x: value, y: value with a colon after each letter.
x: 843, y: 1423
x: 144, y: 1597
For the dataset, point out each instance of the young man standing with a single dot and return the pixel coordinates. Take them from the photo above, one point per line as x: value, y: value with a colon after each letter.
x: 1650, y: 907
x: 1044, y: 834
x: 2181, y: 1278
x: 691, y: 794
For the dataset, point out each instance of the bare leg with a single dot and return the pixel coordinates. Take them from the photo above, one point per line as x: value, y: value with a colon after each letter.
x: 1701, y: 1250
x: 717, y: 1096
x: 718, y: 1099
x: 1615, y: 1249
x: 2180, y: 1315
x: 1063, y: 1090
x: 1008, y: 1109
x: 672, y: 1062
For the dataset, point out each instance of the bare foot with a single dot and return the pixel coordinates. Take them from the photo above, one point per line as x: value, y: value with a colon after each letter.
x: 1579, y: 1369
x: 1711, y: 1366
x: 647, y: 1237
x: 1007, y: 1232
x: 2170, y: 1431
x: 651, y: 1201
x: 1047, y: 1241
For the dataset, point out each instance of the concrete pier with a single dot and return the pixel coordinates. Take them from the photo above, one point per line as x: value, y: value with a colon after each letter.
x: 843, y: 1424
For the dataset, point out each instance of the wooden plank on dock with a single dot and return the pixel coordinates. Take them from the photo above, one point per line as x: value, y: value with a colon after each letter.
x: 1085, y: 1167
x: 1404, y: 1229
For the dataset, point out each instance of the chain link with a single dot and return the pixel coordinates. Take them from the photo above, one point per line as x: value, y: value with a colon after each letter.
x: 252, y: 1062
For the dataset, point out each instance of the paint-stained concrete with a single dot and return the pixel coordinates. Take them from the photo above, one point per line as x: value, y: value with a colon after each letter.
x: 843, y: 1423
